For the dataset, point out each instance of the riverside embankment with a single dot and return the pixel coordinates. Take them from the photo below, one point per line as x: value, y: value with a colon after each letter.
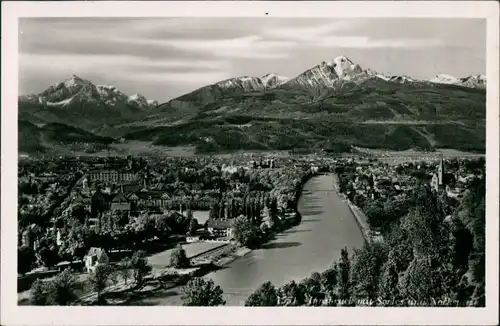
x: 327, y: 226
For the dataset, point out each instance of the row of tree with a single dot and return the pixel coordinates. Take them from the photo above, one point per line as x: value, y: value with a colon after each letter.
x: 427, y: 259
x: 62, y: 290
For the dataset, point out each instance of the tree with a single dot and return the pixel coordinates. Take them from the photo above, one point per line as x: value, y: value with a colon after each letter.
x: 119, y: 218
x: 99, y: 279
x: 193, y: 226
x: 393, y: 210
x: 49, y: 256
x: 375, y: 214
x: 264, y: 228
x: 421, y: 282
x: 264, y: 296
x: 365, y: 272
x: 25, y: 259
x: 344, y: 269
x: 399, y: 242
x: 424, y: 224
x: 146, y: 226
x: 245, y: 232
x: 313, y: 289
x: 162, y: 227
x: 472, y: 214
x: 39, y: 292
x: 214, y: 211
x: 388, y: 286
x: 291, y: 294
x: 222, y: 210
x: 329, y: 278
x: 201, y: 292
x: 139, y: 264
x: 178, y: 258
x: 460, y: 243
x: 63, y: 292
x: 79, y: 213
x: 189, y: 212
x: 124, y: 269
x: 273, y: 206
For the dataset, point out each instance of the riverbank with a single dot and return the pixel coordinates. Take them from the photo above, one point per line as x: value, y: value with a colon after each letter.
x: 327, y: 226
x: 167, y: 284
x: 166, y: 279
x: 362, y: 221
x: 238, y: 253
x: 359, y: 216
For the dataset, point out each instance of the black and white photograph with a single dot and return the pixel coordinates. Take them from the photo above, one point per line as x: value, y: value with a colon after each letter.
x: 251, y: 161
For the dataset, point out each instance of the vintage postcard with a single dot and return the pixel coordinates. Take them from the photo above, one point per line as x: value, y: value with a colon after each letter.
x: 264, y: 158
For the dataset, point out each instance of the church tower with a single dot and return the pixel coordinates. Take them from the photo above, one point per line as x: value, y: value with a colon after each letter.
x: 438, y: 178
x: 441, y: 173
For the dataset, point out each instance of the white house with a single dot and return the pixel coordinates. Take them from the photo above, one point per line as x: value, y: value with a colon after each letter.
x: 220, y: 228
x: 95, y: 257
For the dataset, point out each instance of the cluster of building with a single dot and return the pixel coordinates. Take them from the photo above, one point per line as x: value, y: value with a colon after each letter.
x: 382, y: 180
x: 263, y: 164
x: 379, y: 181
x: 111, y: 175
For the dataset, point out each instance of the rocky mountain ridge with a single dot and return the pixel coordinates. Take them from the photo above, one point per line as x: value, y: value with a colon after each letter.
x: 472, y: 81
x: 77, y: 89
x: 335, y: 101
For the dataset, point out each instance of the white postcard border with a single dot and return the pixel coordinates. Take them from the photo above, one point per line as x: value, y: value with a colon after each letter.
x: 11, y: 314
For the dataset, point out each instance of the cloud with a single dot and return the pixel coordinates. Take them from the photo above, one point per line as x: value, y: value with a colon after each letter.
x: 171, y: 56
x: 194, y: 79
x: 347, y: 34
x: 308, y: 32
x: 366, y: 42
x: 96, y: 61
x: 123, y: 67
x: 244, y: 47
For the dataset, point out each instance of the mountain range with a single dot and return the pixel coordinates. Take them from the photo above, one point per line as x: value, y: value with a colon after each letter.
x: 333, y: 104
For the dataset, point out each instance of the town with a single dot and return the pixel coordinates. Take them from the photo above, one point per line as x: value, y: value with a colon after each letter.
x: 72, y: 211
x: 99, y: 221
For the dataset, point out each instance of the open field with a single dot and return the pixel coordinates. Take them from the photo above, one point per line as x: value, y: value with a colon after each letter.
x: 399, y: 157
x: 147, y: 148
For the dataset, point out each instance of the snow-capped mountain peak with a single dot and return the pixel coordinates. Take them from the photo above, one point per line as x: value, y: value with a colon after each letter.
x: 110, y: 95
x: 136, y: 97
x: 272, y: 80
x: 74, y: 80
x: 108, y: 88
x: 139, y: 101
x: 401, y: 79
x: 331, y: 73
x: 343, y: 66
x: 444, y: 79
x: 75, y: 89
x: 474, y: 81
x: 247, y: 83
x: 250, y: 84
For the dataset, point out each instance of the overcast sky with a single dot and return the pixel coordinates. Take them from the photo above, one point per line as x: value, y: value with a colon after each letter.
x: 165, y: 58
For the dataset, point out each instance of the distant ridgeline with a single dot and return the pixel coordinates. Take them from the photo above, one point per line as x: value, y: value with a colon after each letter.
x: 332, y: 106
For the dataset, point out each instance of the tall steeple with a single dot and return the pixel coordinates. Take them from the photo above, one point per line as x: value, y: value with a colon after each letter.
x: 441, y: 172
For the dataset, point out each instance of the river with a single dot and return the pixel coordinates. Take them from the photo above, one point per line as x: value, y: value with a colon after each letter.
x: 327, y: 226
